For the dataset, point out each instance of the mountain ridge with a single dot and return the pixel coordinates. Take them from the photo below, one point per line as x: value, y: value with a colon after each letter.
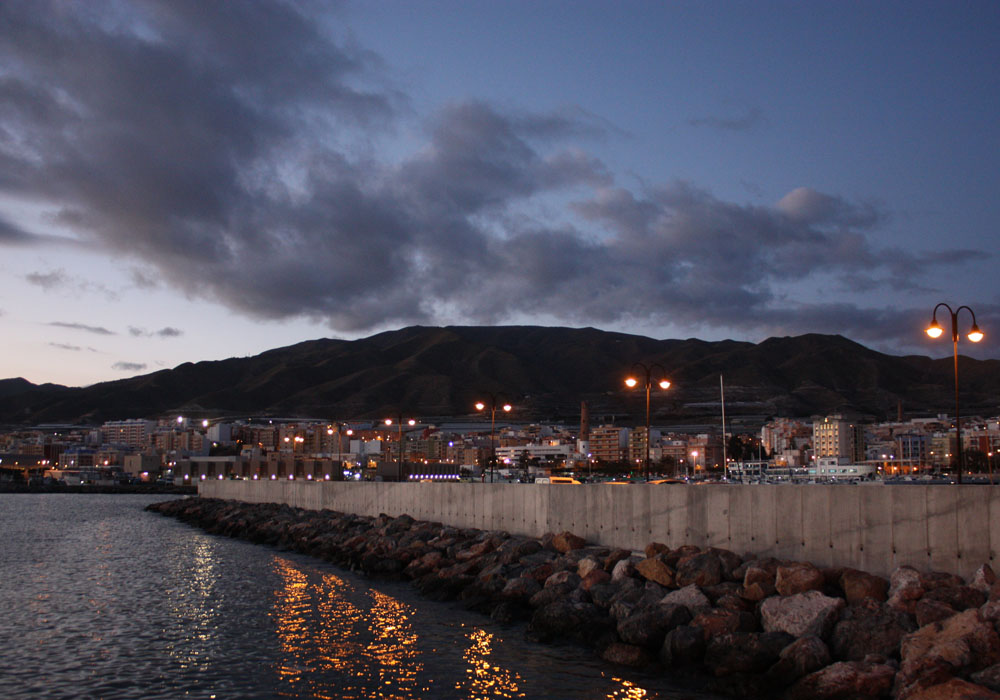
x: 546, y: 371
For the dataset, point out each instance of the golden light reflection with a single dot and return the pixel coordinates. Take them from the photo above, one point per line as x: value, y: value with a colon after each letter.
x: 393, y: 648
x: 627, y: 691
x: 485, y: 679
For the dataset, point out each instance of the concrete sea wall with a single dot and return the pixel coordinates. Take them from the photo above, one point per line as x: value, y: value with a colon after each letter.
x: 874, y: 528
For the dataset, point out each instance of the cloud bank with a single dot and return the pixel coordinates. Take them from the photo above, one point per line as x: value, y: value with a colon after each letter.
x: 231, y: 150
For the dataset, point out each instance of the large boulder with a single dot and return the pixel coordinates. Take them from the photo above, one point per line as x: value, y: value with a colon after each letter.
x: 567, y: 621
x: 955, y: 689
x: 844, y: 680
x: 905, y: 589
x: 690, y: 597
x: 860, y: 585
x: 566, y: 541
x: 758, y: 582
x: 869, y: 627
x: 656, y: 569
x: 752, y: 652
x: 983, y: 578
x: 704, y: 569
x: 798, y: 577
x: 683, y: 646
x: 963, y: 643
x: 809, y: 613
x: 624, y: 654
x: 647, y: 626
x: 798, y: 659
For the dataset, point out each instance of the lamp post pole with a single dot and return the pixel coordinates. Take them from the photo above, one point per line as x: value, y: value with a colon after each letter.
x: 631, y: 381
x: 934, y: 330
x: 480, y: 406
x: 399, y: 460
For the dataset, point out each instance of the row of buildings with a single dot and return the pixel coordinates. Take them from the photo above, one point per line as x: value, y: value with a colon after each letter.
x: 180, y: 449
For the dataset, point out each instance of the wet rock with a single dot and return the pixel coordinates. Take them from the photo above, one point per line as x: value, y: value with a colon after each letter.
x: 752, y: 652
x: 860, y: 585
x: 869, y: 627
x: 566, y: 621
x: 602, y: 594
x: 683, y: 646
x: 646, y: 627
x: 657, y: 570
x: 624, y: 654
x: 509, y: 611
x: 731, y: 562
x: 800, y: 658
x: 513, y: 549
x: 844, y: 680
x: 809, y: 613
x: 798, y: 577
x: 521, y: 589
x: 934, y: 653
x: 704, y: 569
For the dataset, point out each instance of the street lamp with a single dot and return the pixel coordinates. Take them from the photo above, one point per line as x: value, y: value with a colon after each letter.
x: 935, y: 330
x: 631, y: 382
x: 399, y: 461
x: 340, y: 441
x: 493, y: 404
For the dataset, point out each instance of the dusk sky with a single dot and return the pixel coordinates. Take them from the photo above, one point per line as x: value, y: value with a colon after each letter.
x: 185, y: 181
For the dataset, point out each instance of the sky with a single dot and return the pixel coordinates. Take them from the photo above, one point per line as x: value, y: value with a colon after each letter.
x: 188, y: 180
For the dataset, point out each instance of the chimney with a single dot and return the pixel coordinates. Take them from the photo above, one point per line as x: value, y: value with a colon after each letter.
x: 584, y: 421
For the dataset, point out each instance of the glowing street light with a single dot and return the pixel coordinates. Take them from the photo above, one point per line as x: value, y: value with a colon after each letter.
x: 934, y: 330
x: 493, y: 404
x: 631, y: 382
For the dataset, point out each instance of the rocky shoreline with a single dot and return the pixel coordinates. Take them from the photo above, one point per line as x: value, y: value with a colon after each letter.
x: 746, y: 626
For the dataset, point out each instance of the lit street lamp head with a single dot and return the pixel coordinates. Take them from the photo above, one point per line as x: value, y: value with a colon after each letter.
x: 975, y: 335
x: 631, y: 382
x: 664, y: 384
x: 935, y: 330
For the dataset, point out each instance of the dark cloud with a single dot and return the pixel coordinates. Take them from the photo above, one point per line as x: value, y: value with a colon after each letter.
x: 129, y: 366
x: 96, y: 330
x: 227, y: 150
x: 47, y: 280
x: 744, y: 122
x: 167, y: 332
x: 11, y: 234
x: 66, y: 346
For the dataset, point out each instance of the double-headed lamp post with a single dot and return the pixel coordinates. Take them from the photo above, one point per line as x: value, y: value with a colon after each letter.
x: 399, y: 461
x: 494, y: 403
x: 935, y: 330
x: 340, y: 441
x: 633, y: 379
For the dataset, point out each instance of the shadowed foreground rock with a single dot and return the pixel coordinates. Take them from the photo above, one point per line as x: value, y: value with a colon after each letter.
x: 743, y: 626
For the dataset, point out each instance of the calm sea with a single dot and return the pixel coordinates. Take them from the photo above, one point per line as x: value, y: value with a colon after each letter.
x: 103, y: 600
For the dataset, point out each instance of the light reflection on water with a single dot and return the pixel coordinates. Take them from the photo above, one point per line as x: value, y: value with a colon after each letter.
x: 103, y: 600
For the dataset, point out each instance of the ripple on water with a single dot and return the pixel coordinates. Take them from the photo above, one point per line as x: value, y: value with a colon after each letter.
x: 107, y: 601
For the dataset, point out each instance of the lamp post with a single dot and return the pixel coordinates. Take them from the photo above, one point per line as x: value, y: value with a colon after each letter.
x: 493, y: 404
x: 631, y: 381
x: 340, y: 442
x: 935, y: 330
x: 399, y: 461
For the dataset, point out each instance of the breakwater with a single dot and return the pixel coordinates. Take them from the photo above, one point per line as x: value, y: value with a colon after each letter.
x: 874, y: 528
x: 758, y: 626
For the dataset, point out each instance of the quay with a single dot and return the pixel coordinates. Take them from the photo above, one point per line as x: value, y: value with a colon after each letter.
x: 874, y: 528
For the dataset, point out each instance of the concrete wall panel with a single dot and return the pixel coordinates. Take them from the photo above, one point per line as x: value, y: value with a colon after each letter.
x: 870, y: 527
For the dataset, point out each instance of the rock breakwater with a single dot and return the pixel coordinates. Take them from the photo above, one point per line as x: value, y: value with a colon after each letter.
x: 747, y: 626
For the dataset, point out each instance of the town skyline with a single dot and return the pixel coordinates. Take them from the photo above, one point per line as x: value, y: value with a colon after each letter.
x: 183, y: 182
